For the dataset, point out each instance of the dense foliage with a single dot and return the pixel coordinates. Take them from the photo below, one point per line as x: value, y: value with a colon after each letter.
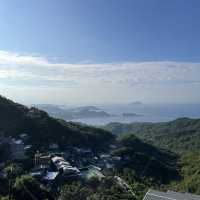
x: 181, y: 135
x: 190, y: 172
x: 103, y: 190
x: 147, y: 160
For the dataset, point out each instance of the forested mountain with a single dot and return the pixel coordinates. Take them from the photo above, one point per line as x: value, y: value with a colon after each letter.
x: 147, y: 160
x: 181, y: 135
x: 43, y: 129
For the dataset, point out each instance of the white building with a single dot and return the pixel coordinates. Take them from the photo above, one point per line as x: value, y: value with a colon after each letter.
x: 62, y: 164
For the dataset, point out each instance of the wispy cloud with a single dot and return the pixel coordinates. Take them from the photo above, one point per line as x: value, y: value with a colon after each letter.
x: 29, y: 70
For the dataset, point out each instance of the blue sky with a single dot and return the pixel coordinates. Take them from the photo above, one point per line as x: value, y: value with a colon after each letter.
x: 73, y: 51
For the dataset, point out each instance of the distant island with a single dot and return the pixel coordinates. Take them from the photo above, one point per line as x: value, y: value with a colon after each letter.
x: 136, y: 103
x: 131, y: 115
x: 74, y: 113
x: 88, y: 112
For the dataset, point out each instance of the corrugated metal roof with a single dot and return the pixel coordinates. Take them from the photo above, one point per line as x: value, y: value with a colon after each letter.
x: 183, y: 195
x: 170, y: 195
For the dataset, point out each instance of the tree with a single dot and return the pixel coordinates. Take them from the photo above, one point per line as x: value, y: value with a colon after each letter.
x: 13, y: 170
x: 4, y: 198
x: 27, y: 188
x: 74, y: 192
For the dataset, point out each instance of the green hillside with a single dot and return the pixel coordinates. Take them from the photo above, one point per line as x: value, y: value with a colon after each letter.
x: 43, y: 129
x: 147, y: 160
x: 181, y: 135
x: 144, y: 149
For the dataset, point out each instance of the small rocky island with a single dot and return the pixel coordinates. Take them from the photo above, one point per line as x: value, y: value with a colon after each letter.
x: 131, y: 115
x: 74, y: 113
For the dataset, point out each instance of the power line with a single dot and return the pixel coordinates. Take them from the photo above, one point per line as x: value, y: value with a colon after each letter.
x: 28, y: 191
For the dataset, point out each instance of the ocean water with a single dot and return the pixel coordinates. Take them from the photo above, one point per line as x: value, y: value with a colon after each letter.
x: 147, y: 112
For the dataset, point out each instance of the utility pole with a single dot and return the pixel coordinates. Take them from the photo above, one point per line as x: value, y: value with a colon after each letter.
x: 10, y: 182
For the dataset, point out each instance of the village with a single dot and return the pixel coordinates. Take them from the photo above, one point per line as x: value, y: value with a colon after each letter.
x: 54, y: 167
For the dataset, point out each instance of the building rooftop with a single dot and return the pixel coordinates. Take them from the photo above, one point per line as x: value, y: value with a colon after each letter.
x: 50, y: 176
x: 57, y: 159
x: 183, y: 195
x: 61, y: 163
x: 169, y: 195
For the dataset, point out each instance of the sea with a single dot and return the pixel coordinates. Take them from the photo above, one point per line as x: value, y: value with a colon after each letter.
x: 144, y: 113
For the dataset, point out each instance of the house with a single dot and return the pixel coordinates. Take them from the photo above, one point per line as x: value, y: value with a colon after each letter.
x: 23, y: 136
x: 4, y: 139
x: 50, y: 176
x: 16, y: 146
x: 64, y: 166
x: 41, y: 173
x: 53, y: 146
x: 17, y: 149
x: 169, y: 195
x: 116, y: 158
x: 113, y: 147
x: 27, y: 147
x: 105, y: 156
x: 42, y: 159
x: 83, y: 152
x: 38, y: 172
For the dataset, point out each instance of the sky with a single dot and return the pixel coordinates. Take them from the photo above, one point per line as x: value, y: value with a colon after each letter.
x: 100, y: 51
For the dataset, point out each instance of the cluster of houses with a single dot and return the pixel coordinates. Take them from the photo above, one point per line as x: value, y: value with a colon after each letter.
x: 78, y: 163
x: 49, y: 168
x: 72, y: 164
x: 83, y: 163
x: 65, y: 167
x: 17, y: 147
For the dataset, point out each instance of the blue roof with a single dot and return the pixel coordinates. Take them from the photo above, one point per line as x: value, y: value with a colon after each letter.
x: 50, y: 176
